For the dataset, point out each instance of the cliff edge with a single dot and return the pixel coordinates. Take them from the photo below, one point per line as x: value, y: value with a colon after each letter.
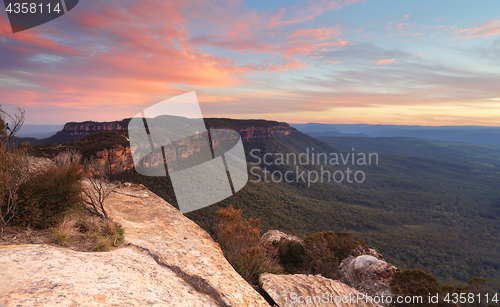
x: 167, y: 260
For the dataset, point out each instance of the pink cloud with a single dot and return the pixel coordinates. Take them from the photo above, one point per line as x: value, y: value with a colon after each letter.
x: 488, y: 29
x: 33, y: 39
x: 315, y: 9
x: 331, y: 62
x: 385, y: 62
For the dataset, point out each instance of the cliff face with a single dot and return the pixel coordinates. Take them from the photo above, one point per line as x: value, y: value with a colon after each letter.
x: 119, y: 158
x: 167, y: 260
x: 247, y: 129
x: 90, y: 127
x: 259, y: 133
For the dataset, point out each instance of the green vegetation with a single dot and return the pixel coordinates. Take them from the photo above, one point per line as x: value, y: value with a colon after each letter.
x: 291, y: 254
x: 416, y: 283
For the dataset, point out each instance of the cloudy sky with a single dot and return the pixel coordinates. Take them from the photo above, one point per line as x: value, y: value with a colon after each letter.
x: 344, y: 61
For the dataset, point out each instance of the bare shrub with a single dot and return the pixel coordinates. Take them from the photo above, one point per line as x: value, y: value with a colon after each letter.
x: 97, y: 187
x: 10, y: 124
x: 67, y: 158
x: 13, y: 172
x: 13, y: 166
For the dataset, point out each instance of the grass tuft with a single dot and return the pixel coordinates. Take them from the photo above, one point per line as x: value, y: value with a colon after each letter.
x: 65, y: 231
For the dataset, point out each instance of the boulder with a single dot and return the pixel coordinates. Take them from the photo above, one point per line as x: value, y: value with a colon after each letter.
x: 368, y: 274
x: 269, y: 237
x: 166, y: 260
x: 309, y: 290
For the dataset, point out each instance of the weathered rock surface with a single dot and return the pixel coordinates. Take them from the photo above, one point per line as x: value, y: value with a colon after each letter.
x: 269, y: 237
x: 167, y: 260
x: 43, y: 275
x: 310, y: 290
x: 368, y: 274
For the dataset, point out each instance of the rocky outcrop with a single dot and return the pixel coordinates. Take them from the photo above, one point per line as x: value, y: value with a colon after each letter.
x: 368, y: 274
x: 269, y: 237
x: 310, y: 290
x: 166, y: 260
x: 272, y: 251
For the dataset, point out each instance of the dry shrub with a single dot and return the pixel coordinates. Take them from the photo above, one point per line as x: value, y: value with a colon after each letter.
x: 68, y: 158
x: 13, y: 165
x: 13, y: 172
x: 91, y: 223
x: 239, y: 241
x: 47, y: 194
x: 109, y: 228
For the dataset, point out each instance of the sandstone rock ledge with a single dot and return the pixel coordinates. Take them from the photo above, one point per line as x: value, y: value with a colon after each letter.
x: 167, y: 260
x: 310, y: 290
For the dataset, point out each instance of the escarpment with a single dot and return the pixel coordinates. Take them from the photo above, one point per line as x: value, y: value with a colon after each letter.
x: 119, y: 158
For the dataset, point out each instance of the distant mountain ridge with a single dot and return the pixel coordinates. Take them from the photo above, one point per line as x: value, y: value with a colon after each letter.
x: 465, y: 134
x: 91, y: 127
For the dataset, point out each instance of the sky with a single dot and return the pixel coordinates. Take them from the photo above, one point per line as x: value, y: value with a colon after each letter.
x: 346, y: 61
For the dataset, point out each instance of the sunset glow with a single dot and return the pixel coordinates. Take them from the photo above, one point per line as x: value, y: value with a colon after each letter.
x: 344, y: 61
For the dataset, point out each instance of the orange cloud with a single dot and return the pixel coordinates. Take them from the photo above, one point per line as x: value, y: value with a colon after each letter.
x: 491, y: 28
x: 385, y: 62
x: 316, y: 34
